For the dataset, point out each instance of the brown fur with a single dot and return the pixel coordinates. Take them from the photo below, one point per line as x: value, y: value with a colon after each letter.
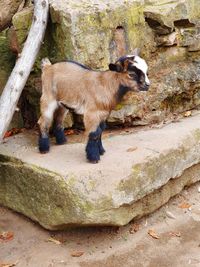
x: 93, y: 91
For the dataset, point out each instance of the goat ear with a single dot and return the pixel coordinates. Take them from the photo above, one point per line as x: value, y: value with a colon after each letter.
x: 136, y: 51
x: 115, y: 67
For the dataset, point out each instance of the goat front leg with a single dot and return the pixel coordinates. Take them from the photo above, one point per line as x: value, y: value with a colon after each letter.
x: 92, y: 147
x: 102, y: 125
x: 93, y: 131
x: 94, y: 125
x: 58, y: 129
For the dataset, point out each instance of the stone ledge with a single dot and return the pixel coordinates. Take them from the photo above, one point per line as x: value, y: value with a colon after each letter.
x: 138, y: 174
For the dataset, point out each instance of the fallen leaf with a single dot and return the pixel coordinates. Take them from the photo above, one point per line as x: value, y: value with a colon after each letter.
x: 77, y: 253
x: 7, y: 134
x: 131, y: 149
x: 6, y: 236
x: 134, y: 228
x: 153, y: 234
x: 73, y: 131
x: 185, y: 205
x: 69, y: 132
x: 188, y: 113
x: 175, y: 234
x: 170, y: 215
x: 7, y: 264
x: 53, y: 240
x: 13, y: 131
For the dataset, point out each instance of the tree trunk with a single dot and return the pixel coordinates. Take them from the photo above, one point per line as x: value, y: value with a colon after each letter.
x: 23, y: 66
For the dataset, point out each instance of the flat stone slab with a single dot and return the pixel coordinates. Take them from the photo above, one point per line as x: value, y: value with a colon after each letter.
x: 139, y: 173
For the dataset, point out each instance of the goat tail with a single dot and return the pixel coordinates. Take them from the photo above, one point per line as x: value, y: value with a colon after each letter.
x: 46, y: 78
x: 45, y: 63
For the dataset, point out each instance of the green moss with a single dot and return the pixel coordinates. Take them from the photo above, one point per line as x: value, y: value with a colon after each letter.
x: 175, y: 102
x: 7, y: 59
x: 119, y: 106
x: 40, y: 194
x: 61, y: 46
x: 151, y: 170
x: 135, y: 25
x: 193, y: 10
x: 22, y: 22
x: 87, y: 36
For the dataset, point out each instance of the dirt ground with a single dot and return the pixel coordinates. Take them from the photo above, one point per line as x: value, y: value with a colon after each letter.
x: 168, y: 237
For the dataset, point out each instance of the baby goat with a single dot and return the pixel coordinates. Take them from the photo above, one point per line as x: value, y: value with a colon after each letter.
x: 70, y: 85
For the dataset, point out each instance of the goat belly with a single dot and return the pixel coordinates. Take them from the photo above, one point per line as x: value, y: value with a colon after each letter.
x: 77, y: 108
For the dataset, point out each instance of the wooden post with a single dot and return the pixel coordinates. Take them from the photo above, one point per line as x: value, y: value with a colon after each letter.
x: 23, y: 66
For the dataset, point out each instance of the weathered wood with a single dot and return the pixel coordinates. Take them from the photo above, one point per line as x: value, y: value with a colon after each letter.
x: 23, y: 66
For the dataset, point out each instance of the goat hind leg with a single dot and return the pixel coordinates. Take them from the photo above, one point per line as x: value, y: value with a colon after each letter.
x: 43, y: 142
x: 44, y: 122
x: 58, y: 129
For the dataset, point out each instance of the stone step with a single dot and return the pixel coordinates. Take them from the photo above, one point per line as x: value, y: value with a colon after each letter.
x: 139, y: 173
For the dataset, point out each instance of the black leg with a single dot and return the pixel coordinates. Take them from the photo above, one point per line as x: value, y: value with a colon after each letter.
x: 92, y: 148
x: 43, y: 143
x: 101, y: 149
x: 59, y: 135
x: 58, y: 130
x: 102, y: 125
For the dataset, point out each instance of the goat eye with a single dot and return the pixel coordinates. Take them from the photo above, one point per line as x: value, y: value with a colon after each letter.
x: 132, y: 75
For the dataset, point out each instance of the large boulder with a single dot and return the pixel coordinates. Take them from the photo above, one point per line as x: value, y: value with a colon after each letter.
x: 89, y: 32
x: 138, y: 174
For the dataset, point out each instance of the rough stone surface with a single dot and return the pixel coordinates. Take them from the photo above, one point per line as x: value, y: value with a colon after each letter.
x: 138, y: 174
x: 89, y: 32
x: 168, y: 33
x: 130, y: 245
x: 8, y: 9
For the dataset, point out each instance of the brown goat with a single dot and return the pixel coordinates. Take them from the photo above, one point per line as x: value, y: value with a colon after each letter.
x: 91, y: 93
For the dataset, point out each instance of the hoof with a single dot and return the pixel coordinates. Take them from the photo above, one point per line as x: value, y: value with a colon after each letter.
x: 44, y: 152
x: 102, y: 152
x: 101, y: 149
x: 93, y: 157
x: 60, y: 136
x: 94, y: 161
x: 44, y: 145
x: 92, y: 152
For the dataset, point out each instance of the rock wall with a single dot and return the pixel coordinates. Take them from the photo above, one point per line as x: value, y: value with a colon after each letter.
x: 97, y: 32
x: 8, y: 9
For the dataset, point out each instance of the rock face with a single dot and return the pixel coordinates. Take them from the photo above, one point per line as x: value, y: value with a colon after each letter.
x: 95, y: 33
x: 8, y: 9
x: 138, y: 174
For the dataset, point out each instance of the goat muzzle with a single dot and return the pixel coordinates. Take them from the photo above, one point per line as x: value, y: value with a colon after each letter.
x: 145, y: 87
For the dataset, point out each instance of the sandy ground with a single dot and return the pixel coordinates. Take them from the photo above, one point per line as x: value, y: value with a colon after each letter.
x: 175, y: 240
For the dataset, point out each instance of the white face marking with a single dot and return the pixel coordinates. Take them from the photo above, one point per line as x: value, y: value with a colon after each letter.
x: 50, y: 109
x: 142, y: 65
